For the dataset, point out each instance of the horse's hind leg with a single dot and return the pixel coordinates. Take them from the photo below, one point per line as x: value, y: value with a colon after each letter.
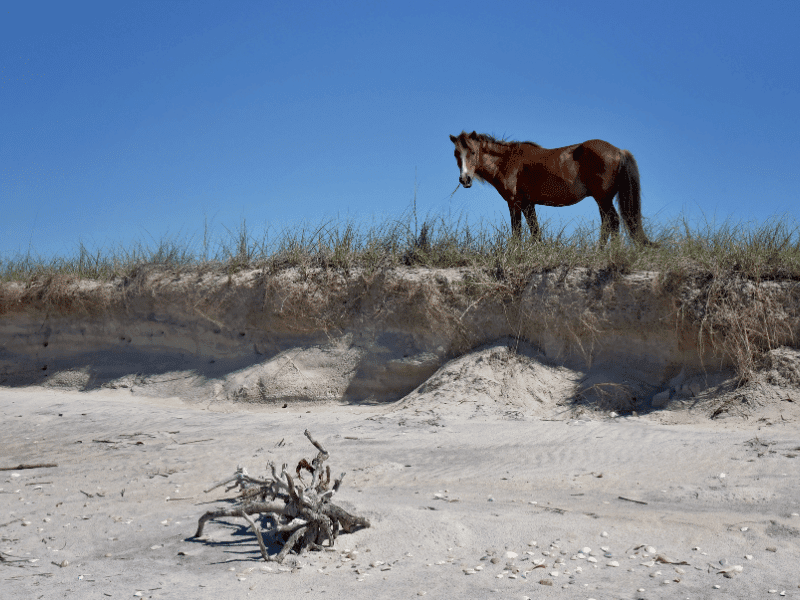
x: 609, y: 219
x: 530, y: 217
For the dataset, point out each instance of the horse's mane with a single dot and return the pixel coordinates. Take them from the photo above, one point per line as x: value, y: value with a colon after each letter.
x: 490, y: 138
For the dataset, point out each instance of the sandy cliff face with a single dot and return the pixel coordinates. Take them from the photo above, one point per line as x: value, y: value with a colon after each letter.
x: 324, y: 335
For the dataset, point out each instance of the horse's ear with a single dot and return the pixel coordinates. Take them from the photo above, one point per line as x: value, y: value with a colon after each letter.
x: 453, y: 139
x: 473, y: 136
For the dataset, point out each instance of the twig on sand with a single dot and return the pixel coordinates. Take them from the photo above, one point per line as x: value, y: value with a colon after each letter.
x: 194, y: 441
x: 631, y: 500
x: 23, y: 466
x: 302, y: 516
x: 17, y: 559
x: 11, y: 521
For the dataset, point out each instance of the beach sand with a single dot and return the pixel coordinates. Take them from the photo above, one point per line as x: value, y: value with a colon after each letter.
x: 465, y: 499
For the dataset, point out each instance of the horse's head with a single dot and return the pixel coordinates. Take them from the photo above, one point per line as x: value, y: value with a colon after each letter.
x: 467, y: 155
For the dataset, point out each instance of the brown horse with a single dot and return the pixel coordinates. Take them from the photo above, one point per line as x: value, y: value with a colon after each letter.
x: 525, y: 174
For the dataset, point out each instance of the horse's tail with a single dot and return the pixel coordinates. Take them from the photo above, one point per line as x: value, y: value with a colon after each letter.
x: 630, y: 198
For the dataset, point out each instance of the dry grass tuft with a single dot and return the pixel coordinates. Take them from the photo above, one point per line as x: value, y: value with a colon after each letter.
x: 757, y: 252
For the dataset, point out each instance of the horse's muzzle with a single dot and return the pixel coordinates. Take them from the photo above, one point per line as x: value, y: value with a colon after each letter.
x: 465, y: 181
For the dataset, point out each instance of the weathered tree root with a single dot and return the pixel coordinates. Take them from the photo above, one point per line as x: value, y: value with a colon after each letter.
x: 303, y: 513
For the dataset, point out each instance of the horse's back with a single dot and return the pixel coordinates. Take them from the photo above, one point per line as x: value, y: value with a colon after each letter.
x: 600, y: 148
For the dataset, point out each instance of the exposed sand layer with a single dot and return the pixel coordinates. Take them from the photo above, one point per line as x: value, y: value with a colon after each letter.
x: 632, y: 342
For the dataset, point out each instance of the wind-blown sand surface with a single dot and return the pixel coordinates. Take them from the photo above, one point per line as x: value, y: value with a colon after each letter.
x: 446, y: 492
x: 574, y: 435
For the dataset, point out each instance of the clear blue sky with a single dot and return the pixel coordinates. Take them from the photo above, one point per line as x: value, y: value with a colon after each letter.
x: 125, y: 121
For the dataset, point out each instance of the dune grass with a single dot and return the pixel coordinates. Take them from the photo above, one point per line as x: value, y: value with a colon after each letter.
x: 768, y: 250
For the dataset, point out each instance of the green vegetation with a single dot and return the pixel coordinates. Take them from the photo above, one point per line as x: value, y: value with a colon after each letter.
x: 770, y: 250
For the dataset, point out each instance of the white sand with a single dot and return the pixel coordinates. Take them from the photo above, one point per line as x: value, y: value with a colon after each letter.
x: 448, y: 483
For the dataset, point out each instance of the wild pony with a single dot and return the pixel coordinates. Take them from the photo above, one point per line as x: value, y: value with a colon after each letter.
x: 525, y: 174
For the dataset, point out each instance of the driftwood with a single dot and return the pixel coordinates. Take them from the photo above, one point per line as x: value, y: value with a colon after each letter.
x: 302, y: 513
x: 23, y: 466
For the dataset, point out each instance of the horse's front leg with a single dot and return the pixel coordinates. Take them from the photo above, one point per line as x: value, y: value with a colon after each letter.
x: 516, y: 219
x: 530, y: 217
